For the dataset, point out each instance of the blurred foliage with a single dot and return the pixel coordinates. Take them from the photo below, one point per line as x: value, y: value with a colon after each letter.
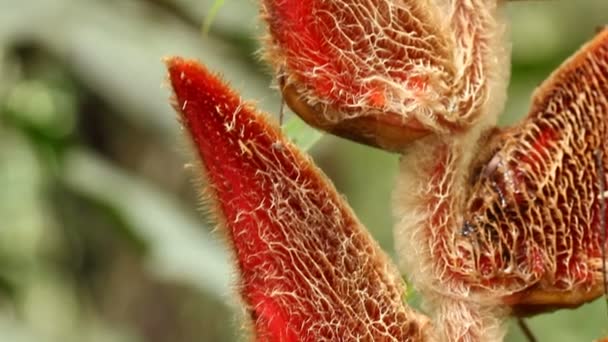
x: 100, y: 239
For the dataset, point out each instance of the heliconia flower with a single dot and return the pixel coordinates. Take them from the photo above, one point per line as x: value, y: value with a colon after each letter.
x: 308, y: 270
x: 387, y: 72
x: 490, y: 222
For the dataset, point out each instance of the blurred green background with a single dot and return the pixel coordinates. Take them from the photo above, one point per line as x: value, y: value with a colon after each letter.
x: 100, y: 237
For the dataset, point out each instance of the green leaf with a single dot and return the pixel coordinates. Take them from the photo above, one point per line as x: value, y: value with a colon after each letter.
x: 215, y: 8
x: 180, y: 248
x: 301, y: 134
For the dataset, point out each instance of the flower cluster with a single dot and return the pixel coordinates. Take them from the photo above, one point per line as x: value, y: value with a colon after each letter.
x: 491, y: 222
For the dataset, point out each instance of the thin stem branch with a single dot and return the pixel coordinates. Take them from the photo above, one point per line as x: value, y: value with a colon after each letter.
x: 599, y: 160
x: 526, y: 330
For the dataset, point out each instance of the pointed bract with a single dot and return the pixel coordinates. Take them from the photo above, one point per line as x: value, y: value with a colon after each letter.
x: 308, y: 270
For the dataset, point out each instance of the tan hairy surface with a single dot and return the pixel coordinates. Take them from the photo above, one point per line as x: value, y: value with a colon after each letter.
x: 522, y: 230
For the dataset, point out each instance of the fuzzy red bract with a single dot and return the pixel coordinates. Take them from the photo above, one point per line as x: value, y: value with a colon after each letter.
x: 308, y: 270
x: 386, y: 73
x: 359, y: 69
x: 212, y: 114
x: 325, y: 44
x: 539, y: 223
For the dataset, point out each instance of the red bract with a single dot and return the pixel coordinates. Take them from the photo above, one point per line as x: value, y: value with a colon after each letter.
x: 387, y: 72
x: 308, y: 270
x: 493, y: 221
x: 535, y: 211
